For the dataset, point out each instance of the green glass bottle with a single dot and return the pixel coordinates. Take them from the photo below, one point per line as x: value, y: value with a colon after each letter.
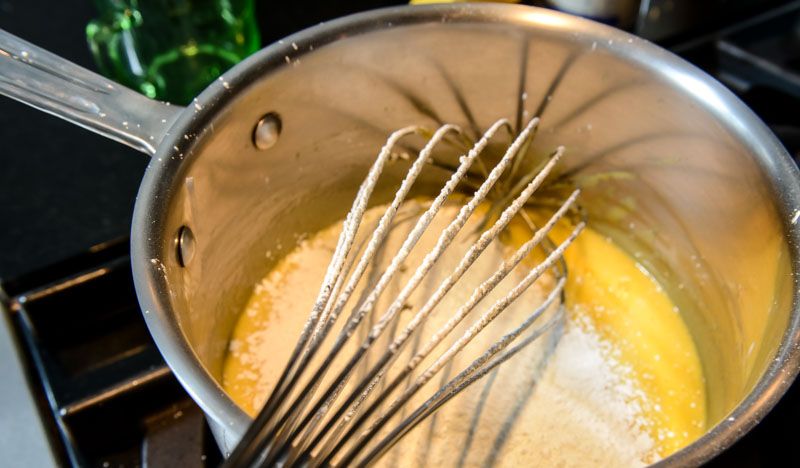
x: 171, y: 49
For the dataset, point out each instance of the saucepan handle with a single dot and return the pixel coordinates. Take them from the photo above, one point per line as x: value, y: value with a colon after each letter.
x: 48, y: 82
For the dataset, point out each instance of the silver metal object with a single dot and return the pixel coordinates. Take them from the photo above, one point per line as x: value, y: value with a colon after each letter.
x: 267, y: 131
x: 305, y: 430
x: 49, y: 83
x: 673, y: 167
x: 185, y: 245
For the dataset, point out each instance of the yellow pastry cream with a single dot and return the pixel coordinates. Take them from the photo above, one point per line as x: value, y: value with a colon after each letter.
x: 619, y: 385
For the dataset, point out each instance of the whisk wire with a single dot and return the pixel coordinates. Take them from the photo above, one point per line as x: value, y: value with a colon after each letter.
x: 247, y: 448
x: 444, y: 240
x: 476, y: 327
x: 478, y: 369
x: 468, y: 259
x: 301, y: 426
x: 389, y: 273
x: 331, y: 312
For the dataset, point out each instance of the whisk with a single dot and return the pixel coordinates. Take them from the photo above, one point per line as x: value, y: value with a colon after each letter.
x: 308, y: 421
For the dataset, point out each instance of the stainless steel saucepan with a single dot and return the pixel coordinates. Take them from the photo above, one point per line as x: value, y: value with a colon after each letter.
x: 677, y: 170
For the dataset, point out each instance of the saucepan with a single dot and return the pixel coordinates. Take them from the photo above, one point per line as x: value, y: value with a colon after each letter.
x: 276, y: 147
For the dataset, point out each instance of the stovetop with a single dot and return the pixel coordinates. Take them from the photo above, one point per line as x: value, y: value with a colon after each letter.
x: 108, y: 395
x: 101, y: 390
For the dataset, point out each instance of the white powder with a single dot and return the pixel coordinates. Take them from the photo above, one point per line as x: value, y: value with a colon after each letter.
x: 563, y: 401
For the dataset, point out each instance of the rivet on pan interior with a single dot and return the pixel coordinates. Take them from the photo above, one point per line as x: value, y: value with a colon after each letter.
x: 184, y: 245
x: 267, y: 131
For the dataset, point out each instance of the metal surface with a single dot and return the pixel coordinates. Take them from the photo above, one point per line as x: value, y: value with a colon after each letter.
x: 184, y: 245
x: 673, y: 166
x: 59, y: 87
x: 267, y: 131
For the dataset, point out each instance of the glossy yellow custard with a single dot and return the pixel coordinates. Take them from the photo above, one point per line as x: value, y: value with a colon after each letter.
x: 628, y: 308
